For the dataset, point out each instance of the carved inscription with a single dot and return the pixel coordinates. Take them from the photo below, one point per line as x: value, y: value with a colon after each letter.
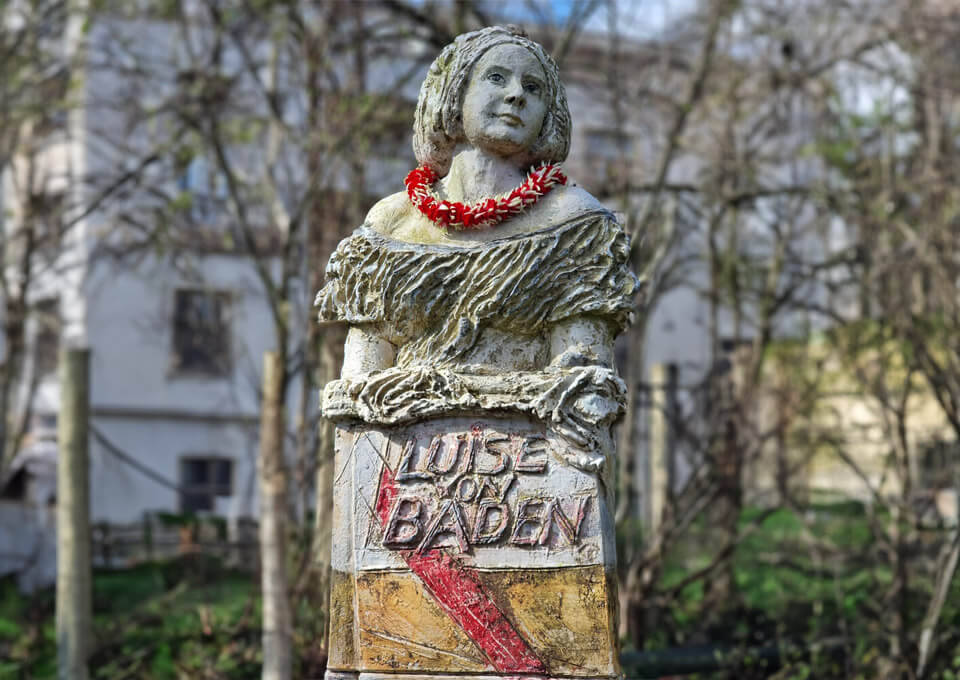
x: 454, y: 495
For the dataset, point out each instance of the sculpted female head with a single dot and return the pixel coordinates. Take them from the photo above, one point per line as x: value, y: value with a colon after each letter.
x: 439, y: 123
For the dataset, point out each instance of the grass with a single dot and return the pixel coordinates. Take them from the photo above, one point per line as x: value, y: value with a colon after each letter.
x: 186, y: 618
x: 194, y: 618
x: 785, y: 592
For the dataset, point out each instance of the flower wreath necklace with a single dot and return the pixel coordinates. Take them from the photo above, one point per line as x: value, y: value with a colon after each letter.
x: 456, y: 216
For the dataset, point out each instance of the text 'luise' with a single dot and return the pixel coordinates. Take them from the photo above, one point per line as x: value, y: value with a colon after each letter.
x: 455, y: 494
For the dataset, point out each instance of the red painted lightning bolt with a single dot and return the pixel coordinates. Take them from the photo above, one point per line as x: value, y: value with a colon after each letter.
x: 460, y: 594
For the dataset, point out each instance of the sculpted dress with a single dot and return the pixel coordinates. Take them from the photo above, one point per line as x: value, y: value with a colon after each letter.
x: 472, y: 507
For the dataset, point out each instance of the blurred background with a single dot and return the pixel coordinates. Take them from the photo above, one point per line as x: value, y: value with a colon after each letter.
x: 175, y: 173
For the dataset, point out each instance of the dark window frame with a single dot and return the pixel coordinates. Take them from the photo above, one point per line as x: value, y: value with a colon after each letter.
x: 207, y: 188
x: 200, y: 495
x: 47, y: 331
x: 204, y: 349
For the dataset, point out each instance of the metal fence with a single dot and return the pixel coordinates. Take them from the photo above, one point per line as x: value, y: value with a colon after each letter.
x: 160, y: 536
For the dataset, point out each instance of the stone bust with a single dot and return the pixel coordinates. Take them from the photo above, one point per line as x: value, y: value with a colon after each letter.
x: 473, y: 531
x: 491, y: 106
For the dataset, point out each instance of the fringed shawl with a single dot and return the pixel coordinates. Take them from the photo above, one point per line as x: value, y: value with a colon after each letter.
x: 435, y: 299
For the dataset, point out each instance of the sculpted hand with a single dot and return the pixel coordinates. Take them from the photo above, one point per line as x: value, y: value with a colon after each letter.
x: 580, y: 406
x: 571, y: 358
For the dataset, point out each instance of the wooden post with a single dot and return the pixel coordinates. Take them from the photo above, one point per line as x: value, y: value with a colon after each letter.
x: 672, y: 402
x: 73, y: 607
x: 657, y: 460
x: 277, y: 619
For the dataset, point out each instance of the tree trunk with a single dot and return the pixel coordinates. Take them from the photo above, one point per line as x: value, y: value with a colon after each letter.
x: 626, y: 444
x: 73, y: 606
x: 277, y: 625
x: 10, y: 377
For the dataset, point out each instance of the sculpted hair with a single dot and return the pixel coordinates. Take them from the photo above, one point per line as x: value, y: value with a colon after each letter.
x: 438, y: 126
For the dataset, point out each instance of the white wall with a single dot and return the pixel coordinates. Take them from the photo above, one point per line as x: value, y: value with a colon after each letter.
x: 156, y: 414
x: 130, y: 328
x: 121, y: 493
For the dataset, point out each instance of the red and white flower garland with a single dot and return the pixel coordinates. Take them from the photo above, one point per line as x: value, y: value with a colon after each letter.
x: 485, y: 213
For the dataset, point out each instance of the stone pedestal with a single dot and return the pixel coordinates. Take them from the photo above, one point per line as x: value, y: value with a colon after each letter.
x: 469, y: 546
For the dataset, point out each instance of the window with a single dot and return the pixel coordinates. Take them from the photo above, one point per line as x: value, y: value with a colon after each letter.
x: 203, y: 480
x: 46, y: 341
x: 46, y: 216
x: 201, y: 332
x: 52, y: 119
x: 937, y: 463
x: 206, y: 188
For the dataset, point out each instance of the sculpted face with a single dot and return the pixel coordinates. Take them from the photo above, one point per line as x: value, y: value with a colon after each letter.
x: 504, y: 105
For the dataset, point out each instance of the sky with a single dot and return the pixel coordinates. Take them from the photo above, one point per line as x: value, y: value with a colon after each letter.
x: 640, y: 19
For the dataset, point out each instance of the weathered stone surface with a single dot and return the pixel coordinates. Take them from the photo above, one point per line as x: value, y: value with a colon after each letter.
x: 518, y: 529
x: 472, y: 523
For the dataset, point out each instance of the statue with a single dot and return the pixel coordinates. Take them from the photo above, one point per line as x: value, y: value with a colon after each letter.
x: 472, y: 523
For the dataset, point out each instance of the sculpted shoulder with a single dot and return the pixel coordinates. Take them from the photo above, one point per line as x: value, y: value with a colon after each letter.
x: 395, y: 216
x: 388, y: 213
x: 567, y: 201
x: 563, y: 203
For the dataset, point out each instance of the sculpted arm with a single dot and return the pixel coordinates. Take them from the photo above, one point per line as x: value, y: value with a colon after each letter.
x: 366, y: 350
x: 587, y: 395
x: 581, y: 341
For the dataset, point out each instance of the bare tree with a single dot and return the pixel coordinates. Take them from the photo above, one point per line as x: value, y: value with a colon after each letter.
x: 892, y: 188
x: 273, y: 103
x: 828, y: 251
x: 35, y: 79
